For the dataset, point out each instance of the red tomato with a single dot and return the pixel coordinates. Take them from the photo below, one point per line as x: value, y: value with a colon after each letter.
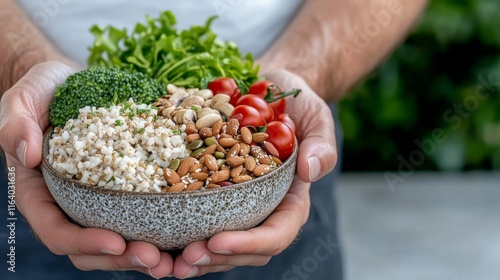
x: 223, y: 85
x: 282, y: 137
x: 286, y: 119
x: 235, y: 97
x: 251, y: 116
x: 278, y: 106
x: 258, y: 103
x: 259, y: 88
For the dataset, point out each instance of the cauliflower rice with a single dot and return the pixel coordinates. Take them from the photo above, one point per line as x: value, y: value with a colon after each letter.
x: 124, y: 147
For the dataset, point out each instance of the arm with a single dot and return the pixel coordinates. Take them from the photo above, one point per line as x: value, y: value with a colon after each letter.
x: 333, y: 44
x: 22, y: 45
x: 30, y: 70
x: 323, y: 47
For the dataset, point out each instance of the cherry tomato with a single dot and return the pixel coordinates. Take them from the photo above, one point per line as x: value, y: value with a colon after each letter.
x: 278, y: 106
x: 258, y: 103
x: 251, y: 116
x: 259, y: 88
x: 224, y: 85
x: 286, y: 119
x: 282, y: 137
x: 235, y: 97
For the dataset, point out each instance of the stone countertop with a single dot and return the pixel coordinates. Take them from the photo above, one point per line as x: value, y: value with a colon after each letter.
x: 442, y: 226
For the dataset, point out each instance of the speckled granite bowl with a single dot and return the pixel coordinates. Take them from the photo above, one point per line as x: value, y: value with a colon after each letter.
x: 170, y: 220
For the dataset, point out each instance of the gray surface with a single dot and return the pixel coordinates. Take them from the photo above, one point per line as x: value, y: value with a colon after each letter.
x: 432, y: 226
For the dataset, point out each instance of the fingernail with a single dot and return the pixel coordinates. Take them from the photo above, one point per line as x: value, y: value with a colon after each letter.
x: 225, y: 252
x: 137, y: 262
x: 193, y: 272
x: 21, y: 152
x: 151, y: 274
x: 314, y: 168
x: 108, y: 252
x: 204, y: 260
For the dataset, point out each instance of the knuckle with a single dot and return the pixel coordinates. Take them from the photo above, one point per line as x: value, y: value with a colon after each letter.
x: 279, y: 248
x: 261, y: 261
x: 53, y: 247
x: 79, y: 263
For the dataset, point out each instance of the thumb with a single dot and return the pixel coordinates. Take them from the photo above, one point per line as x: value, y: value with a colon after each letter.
x: 316, y: 133
x: 24, y: 111
x: 21, y: 137
x: 315, y: 128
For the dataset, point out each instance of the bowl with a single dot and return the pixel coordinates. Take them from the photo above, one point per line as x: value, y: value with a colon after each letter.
x: 170, y: 221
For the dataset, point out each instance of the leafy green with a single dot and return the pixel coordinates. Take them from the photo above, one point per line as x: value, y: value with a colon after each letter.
x: 189, y: 58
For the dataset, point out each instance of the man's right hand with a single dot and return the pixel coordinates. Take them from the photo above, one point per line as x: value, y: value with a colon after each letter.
x: 24, y: 116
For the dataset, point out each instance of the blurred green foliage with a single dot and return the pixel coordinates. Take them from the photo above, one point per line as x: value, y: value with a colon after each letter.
x: 444, y: 79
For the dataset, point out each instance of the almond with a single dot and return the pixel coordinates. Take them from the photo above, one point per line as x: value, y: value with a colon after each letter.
x: 216, y: 127
x: 171, y: 176
x: 265, y: 160
x: 185, y: 166
x: 244, y: 149
x: 257, y: 151
x: 205, y: 132
x: 219, y: 176
x: 250, y: 163
x: 232, y: 127
x: 271, y: 149
x: 178, y: 187
x: 236, y: 171
x: 208, y: 151
x: 225, y: 135
x: 190, y: 128
x: 197, y: 167
x: 221, y: 149
x: 241, y: 178
x: 212, y: 186
x: 259, y: 137
x: 200, y: 176
x: 235, y: 161
x: 261, y: 170
x: 193, y: 137
x: 277, y: 160
x: 227, y: 142
x: 234, y: 151
x: 195, y: 186
x: 246, y: 135
x: 211, y: 163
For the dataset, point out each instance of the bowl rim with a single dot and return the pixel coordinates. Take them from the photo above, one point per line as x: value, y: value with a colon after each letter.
x: 45, y: 164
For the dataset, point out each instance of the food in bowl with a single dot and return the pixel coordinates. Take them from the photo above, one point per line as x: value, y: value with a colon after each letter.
x: 179, y: 143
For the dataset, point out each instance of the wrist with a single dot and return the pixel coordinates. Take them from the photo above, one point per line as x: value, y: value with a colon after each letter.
x: 323, y: 75
x: 22, y: 60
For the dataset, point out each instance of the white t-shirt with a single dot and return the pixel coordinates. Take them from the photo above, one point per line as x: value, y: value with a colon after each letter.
x: 252, y: 24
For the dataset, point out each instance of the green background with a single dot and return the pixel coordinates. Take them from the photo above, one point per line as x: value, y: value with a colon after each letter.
x: 439, y: 88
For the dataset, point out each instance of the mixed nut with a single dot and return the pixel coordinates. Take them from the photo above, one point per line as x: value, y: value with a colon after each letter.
x: 221, y: 152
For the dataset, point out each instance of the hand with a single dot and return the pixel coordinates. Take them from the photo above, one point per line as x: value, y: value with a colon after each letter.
x: 255, y: 247
x: 24, y: 115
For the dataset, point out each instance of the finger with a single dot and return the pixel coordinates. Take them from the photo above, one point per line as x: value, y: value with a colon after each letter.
x: 164, y: 267
x: 197, y: 254
x: 140, y: 256
x: 183, y: 270
x: 52, y: 226
x: 275, y: 234
x: 24, y: 111
x: 315, y: 128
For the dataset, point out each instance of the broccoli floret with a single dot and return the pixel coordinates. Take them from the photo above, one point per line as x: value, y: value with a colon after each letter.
x: 101, y: 87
